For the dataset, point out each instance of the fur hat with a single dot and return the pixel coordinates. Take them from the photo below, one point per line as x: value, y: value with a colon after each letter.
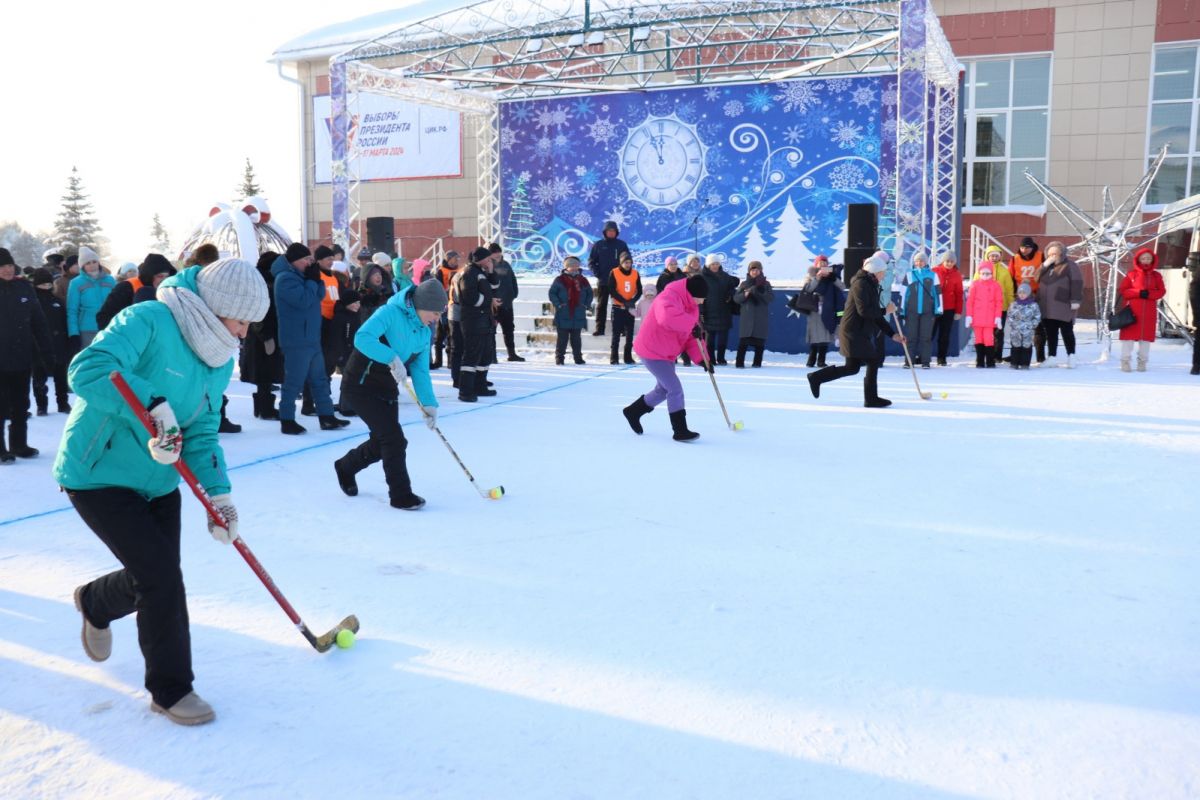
x: 713, y: 258
x: 87, y: 254
x: 479, y: 254
x: 127, y: 270
x: 429, y: 296
x: 41, y: 276
x: 204, y: 255
x: 54, y: 259
x: 233, y: 289
x: 295, y: 252
x: 875, y: 265
x: 154, y: 264
x: 382, y: 259
x: 322, y: 252
x: 6, y: 259
x: 697, y: 286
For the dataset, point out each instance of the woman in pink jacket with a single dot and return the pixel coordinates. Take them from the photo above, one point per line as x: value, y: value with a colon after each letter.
x: 985, y: 304
x: 670, y: 328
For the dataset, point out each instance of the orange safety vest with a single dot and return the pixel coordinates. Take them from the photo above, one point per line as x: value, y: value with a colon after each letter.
x: 625, y: 285
x: 445, y: 274
x: 1025, y: 270
x: 331, y: 295
x: 135, y: 282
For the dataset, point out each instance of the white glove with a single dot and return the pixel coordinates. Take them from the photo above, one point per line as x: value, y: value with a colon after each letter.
x: 399, y: 371
x: 1074, y: 306
x: 269, y: 346
x: 997, y: 325
x: 967, y: 322
x: 167, y: 442
x: 430, y: 416
x: 225, y: 506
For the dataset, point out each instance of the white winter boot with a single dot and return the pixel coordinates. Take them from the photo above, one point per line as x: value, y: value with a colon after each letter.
x: 1071, y: 362
x: 1141, y: 364
x: 1125, y: 365
x: 1143, y: 355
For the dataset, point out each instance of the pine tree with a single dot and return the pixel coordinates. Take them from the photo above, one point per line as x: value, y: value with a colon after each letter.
x: 75, y: 226
x: 790, y: 256
x: 520, y: 217
x: 26, y: 248
x: 755, y: 249
x: 249, y: 187
x: 160, y: 241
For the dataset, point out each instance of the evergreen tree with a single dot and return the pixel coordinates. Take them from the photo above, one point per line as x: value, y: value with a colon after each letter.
x: 790, y: 256
x: 26, y: 248
x: 76, y: 226
x: 160, y: 241
x: 249, y: 187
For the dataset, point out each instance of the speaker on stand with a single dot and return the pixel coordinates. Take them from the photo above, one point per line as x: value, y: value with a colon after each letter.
x: 381, y: 235
x: 852, y: 261
x: 862, y: 225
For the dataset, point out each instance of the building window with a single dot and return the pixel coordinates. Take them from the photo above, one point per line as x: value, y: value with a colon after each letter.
x: 1173, y: 103
x: 1008, y: 131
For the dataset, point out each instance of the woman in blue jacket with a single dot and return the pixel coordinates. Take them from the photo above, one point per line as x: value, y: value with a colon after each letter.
x: 390, y: 347
x: 176, y: 354
x: 85, y: 295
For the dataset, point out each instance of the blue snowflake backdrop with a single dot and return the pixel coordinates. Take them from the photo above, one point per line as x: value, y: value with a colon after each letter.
x: 750, y: 172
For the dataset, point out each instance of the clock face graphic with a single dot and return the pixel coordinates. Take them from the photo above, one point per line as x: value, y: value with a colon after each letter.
x: 662, y: 162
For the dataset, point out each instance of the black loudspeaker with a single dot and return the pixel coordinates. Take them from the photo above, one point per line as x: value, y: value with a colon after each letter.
x: 852, y: 261
x: 381, y: 234
x: 862, y: 225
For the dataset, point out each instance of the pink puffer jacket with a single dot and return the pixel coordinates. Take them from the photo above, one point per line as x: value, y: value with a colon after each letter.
x: 667, y: 329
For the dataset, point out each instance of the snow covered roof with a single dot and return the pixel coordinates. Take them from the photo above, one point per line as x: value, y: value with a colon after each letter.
x: 333, y: 39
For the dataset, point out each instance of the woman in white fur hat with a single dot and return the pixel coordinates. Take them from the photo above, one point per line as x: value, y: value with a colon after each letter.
x: 177, y: 356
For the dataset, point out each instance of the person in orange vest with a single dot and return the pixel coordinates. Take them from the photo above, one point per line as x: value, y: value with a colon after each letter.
x: 1024, y: 266
x: 625, y: 288
x: 127, y: 292
x: 442, y: 340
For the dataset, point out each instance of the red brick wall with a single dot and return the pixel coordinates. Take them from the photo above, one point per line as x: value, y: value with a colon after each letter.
x: 413, y: 236
x: 1177, y: 20
x: 995, y: 33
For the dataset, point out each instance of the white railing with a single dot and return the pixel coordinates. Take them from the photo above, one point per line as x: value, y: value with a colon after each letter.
x: 981, y: 240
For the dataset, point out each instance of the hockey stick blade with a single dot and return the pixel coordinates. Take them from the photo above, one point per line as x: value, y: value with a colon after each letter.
x: 327, y: 640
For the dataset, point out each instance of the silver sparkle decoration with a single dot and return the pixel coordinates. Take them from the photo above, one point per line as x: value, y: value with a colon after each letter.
x: 1106, y: 242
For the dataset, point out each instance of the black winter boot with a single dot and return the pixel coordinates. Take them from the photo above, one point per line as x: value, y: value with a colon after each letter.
x: 483, y: 386
x: 634, y: 413
x: 740, y: 361
x: 466, y: 387
x: 812, y: 355
x: 822, y: 351
x: 437, y: 358
x: 5, y: 456
x: 226, y: 426
x: 979, y: 356
x: 17, y: 446
x: 331, y: 423
x: 679, y: 425
x: 291, y: 427
x: 264, y: 405
x: 345, y: 478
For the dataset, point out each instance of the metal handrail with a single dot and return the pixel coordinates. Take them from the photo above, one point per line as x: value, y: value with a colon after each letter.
x: 981, y: 240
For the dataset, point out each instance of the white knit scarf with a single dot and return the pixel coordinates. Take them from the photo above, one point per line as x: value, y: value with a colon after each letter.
x: 204, y: 332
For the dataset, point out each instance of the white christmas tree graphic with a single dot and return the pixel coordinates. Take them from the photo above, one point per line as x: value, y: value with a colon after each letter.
x: 754, y: 249
x: 790, y: 256
x: 520, y: 218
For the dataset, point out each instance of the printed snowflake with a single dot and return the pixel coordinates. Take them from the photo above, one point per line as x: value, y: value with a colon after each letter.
x: 711, y: 93
x: 846, y: 176
x: 617, y: 215
x: 508, y: 138
x: 686, y: 111
x: 712, y: 199
x: 863, y: 96
x: 562, y: 145
x: 602, y: 130
x: 838, y: 206
x: 525, y: 175
x: 553, y: 117
x: 847, y: 135
x: 707, y: 227
x: 913, y: 59
x: 733, y: 108
x: 838, y: 85
x: 793, y: 135
x: 911, y: 163
x: 580, y: 171
x: 808, y: 223
x: 543, y: 148
x: 588, y: 177
x: 522, y: 112
x: 889, y: 128
x: 911, y: 132
x: 589, y: 193
x: 867, y: 148
x: 583, y: 107
x: 799, y: 96
x: 759, y: 100
x: 582, y: 219
x: 890, y: 98
x: 548, y: 192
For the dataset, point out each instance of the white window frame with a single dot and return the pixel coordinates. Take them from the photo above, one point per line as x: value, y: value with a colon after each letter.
x: 969, y: 157
x: 1193, y: 155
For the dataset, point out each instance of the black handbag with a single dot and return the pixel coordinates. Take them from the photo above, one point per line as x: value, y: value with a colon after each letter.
x: 804, y: 302
x: 1121, y: 319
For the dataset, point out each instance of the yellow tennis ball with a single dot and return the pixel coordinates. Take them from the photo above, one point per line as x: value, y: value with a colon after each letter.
x: 345, y: 638
x: 945, y: 395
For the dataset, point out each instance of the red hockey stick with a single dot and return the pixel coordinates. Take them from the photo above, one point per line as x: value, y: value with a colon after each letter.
x: 320, y: 643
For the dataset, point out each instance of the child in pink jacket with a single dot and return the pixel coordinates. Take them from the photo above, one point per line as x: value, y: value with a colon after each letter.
x: 671, y: 327
x: 985, y: 304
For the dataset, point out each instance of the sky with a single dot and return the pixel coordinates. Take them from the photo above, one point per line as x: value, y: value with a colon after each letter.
x: 158, y: 105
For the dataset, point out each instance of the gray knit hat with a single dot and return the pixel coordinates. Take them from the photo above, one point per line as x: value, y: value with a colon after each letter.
x: 429, y: 296
x: 233, y: 289
x: 87, y: 254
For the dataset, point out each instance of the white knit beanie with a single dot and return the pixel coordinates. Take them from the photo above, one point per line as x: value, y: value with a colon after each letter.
x: 875, y: 264
x: 87, y: 254
x: 383, y: 260
x: 233, y: 289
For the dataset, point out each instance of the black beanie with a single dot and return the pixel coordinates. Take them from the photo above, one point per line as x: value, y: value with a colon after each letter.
x: 6, y: 258
x: 321, y: 252
x: 41, y: 275
x: 697, y: 286
x: 495, y: 247
x: 479, y: 254
x: 1029, y: 242
x: 295, y: 252
x: 154, y: 264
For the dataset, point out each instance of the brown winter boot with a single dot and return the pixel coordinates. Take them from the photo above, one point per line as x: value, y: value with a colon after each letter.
x: 190, y: 710
x: 97, y: 642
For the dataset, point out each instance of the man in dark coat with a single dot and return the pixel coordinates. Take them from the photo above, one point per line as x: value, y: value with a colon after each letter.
x: 603, y: 259
x: 22, y: 327
x: 477, y: 291
x: 507, y: 291
x: 153, y: 270
x: 717, y: 311
x: 55, y: 312
x: 261, y: 361
x: 862, y: 335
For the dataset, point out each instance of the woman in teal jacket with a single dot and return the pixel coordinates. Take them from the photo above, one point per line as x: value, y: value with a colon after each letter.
x: 390, y: 347
x: 176, y: 354
x: 86, y: 293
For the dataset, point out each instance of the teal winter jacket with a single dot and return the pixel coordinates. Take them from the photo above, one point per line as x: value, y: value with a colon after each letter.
x: 407, y: 338
x: 104, y: 444
x: 85, y: 295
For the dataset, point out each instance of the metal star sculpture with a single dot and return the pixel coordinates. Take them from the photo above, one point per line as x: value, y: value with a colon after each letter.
x: 1107, y: 241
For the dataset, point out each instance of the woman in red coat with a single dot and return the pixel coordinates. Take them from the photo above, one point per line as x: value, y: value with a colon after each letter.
x: 952, y: 304
x: 1142, y: 287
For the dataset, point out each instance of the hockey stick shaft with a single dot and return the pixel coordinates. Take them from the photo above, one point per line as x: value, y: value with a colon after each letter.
x: 321, y: 643
x: 483, y: 493
x: 712, y: 375
x: 912, y: 365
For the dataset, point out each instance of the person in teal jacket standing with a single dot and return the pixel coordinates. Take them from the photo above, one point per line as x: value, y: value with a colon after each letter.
x: 374, y: 375
x: 176, y: 353
x: 86, y: 293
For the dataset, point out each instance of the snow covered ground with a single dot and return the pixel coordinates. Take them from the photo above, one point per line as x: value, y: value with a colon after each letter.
x: 994, y: 594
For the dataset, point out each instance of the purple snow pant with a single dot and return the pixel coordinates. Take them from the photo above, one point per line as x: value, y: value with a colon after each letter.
x: 668, y: 386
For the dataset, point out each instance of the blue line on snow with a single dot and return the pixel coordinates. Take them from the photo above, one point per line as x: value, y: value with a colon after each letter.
x: 290, y: 453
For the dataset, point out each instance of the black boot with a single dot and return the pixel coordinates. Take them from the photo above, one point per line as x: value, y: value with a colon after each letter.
x: 329, y: 422
x: 466, y: 387
x: 5, y: 456
x: 437, y: 358
x: 41, y: 394
x: 814, y: 383
x: 740, y: 361
x: 979, y: 356
x: 17, y: 446
x: 629, y: 351
x: 264, y: 406
x: 634, y: 413
x: 822, y: 351
x: 812, y: 355
x: 345, y: 478
x: 226, y: 426
x: 612, y: 356
x: 64, y: 407
x: 679, y: 425
x: 291, y: 427
x: 483, y: 386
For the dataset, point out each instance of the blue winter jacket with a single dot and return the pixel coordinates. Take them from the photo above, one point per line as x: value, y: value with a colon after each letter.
x: 85, y: 295
x: 297, y: 306
x: 104, y: 444
x: 407, y: 338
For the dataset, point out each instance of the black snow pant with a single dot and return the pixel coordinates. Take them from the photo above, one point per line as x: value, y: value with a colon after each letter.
x: 381, y: 411
x: 476, y: 356
x: 851, y: 367
x: 565, y: 336
x: 998, y: 347
x: 1039, y: 341
x: 440, y: 335
x: 41, y: 389
x: 1053, y: 326
x: 943, y: 324
x: 601, y: 304
x: 744, y: 344
x: 718, y: 343
x: 144, y: 536
x: 14, y: 395
x: 622, y: 325
x: 504, y: 315
x: 454, y: 350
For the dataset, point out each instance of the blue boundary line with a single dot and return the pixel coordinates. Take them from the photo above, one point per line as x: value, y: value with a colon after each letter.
x: 290, y: 453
